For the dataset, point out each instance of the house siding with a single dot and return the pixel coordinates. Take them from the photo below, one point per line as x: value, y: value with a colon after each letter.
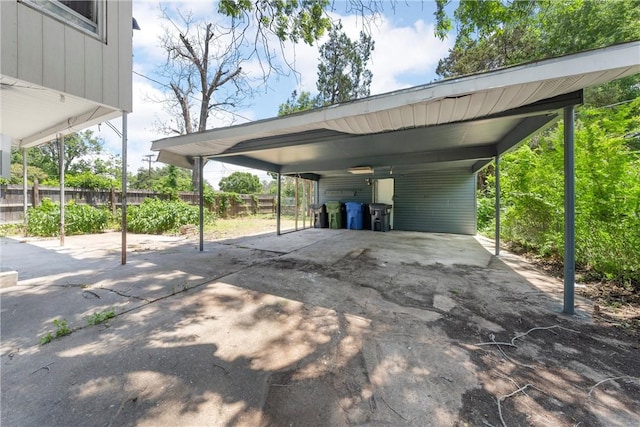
x: 39, y: 49
x: 442, y: 202
x: 344, y: 189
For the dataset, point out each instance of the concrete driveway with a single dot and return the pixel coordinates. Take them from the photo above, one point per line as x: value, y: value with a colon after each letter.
x: 314, y: 328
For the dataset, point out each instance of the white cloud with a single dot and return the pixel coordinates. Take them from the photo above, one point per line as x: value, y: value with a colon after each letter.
x: 404, y: 56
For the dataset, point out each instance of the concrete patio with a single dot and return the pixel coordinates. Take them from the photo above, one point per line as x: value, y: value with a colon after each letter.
x: 314, y: 328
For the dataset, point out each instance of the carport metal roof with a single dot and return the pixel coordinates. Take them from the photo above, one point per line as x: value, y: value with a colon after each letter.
x: 456, y: 123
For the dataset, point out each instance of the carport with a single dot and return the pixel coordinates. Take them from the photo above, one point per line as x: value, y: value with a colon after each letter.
x: 440, y: 134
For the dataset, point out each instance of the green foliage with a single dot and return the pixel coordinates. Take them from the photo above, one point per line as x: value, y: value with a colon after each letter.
x: 493, y: 34
x: 62, y: 329
x: 607, y: 193
x: 100, y: 317
x: 342, y: 72
x: 44, y: 220
x: 90, y: 181
x: 222, y: 202
x: 241, y: 183
x: 296, y: 103
x: 33, y: 172
x: 11, y: 230
x: 486, y: 213
x: 287, y: 20
x: 156, y: 216
x: 79, y: 151
x: 166, y: 179
x: 46, y: 339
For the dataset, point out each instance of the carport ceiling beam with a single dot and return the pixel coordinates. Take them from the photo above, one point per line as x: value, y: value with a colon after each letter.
x: 248, y: 162
x: 309, y: 176
x: 486, y: 151
x: 549, y: 104
x: 284, y: 141
x: 524, y: 130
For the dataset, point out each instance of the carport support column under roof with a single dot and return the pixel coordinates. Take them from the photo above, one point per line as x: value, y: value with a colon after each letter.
x: 200, y: 165
x: 569, y: 211
x: 497, y: 206
x: 278, y: 210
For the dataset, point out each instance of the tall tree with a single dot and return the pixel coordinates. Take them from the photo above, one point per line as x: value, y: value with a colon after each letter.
x: 202, y: 73
x: 80, y: 151
x: 297, y: 103
x: 241, y: 182
x: 494, y: 33
x: 342, y: 72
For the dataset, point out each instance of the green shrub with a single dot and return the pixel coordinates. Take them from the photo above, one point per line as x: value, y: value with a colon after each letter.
x: 90, y: 181
x: 156, y: 216
x: 44, y: 220
x: 486, y: 213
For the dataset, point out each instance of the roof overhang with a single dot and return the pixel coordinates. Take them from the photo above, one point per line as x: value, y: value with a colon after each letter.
x: 457, y: 123
x: 32, y: 115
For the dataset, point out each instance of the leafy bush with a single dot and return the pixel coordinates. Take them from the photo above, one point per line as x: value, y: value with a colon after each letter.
x: 486, y: 213
x: 44, y: 220
x: 221, y: 202
x: 156, y: 216
x: 90, y: 181
x: 607, y: 194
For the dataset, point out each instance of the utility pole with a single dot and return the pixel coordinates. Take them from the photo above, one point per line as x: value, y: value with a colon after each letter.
x: 147, y: 159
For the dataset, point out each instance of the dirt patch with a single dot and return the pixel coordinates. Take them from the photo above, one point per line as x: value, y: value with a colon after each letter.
x: 553, y: 369
x: 614, y: 304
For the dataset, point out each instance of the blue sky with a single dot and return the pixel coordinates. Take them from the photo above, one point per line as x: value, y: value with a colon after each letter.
x: 406, y: 54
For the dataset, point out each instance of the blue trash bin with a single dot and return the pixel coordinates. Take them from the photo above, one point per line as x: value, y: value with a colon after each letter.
x: 355, y: 216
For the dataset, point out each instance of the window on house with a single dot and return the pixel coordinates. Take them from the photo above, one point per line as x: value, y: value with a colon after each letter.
x: 87, y: 15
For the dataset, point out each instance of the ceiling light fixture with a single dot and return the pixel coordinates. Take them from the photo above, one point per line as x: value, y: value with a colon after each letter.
x: 360, y: 170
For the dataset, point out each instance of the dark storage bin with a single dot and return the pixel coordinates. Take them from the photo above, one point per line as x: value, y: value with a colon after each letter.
x: 367, y: 217
x: 334, y: 212
x: 355, y: 216
x: 320, y: 219
x: 380, y: 216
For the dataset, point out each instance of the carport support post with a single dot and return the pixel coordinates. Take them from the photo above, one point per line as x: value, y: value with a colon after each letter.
x: 569, y: 211
x: 62, y: 197
x: 278, y: 210
x: 497, y: 174
x: 123, y: 257
x: 201, y: 201
x: 25, y: 191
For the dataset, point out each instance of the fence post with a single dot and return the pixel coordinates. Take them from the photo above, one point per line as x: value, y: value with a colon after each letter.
x: 35, y: 194
x: 112, y: 200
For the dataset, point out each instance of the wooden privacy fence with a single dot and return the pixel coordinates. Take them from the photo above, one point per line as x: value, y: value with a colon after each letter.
x: 11, y: 200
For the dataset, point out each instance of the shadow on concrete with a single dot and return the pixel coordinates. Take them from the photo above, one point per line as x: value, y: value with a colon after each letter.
x: 337, y: 328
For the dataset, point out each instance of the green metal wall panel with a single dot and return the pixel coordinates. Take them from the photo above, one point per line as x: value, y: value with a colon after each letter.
x: 442, y: 202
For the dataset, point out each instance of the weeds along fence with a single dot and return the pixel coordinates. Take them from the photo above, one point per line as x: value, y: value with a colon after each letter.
x: 12, y: 200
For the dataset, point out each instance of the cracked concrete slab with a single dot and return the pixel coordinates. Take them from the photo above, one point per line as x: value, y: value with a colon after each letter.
x: 315, y: 328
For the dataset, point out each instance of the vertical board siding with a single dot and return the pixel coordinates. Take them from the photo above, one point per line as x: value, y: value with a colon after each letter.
x: 43, y: 50
x: 93, y: 69
x: 442, y: 202
x: 344, y: 189
x: 53, y: 55
x: 74, y: 58
x: 29, y: 45
x: 110, y: 88
x: 9, y: 38
x: 125, y: 54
